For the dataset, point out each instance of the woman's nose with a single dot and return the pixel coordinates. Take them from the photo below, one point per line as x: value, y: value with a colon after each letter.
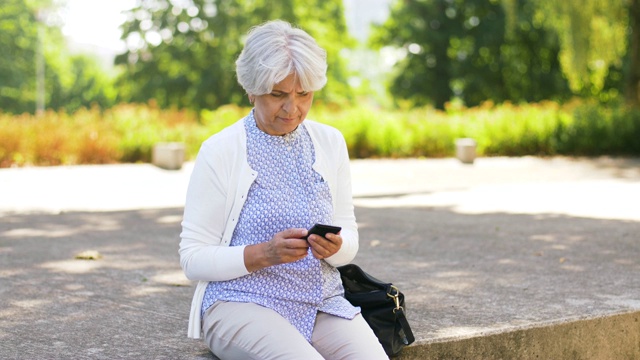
x: 290, y: 105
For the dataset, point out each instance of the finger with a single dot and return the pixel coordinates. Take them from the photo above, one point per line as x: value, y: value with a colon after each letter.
x: 295, y: 233
x: 322, y: 246
x: 319, y: 251
x: 290, y: 247
x: 316, y: 254
x: 333, y: 244
x: 295, y: 254
x: 335, y: 238
x: 297, y: 244
x: 319, y: 241
x: 279, y: 252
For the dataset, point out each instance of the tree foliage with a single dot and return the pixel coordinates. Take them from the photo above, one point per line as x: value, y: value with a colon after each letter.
x: 18, y: 47
x: 599, y: 41
x: 182, y: 53
x: 632, y: 86
x: 593, y: 36
x: 462, y: 48
x: 27, y: 34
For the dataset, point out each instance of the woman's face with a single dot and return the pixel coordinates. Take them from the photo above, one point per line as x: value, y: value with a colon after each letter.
x: 281, y: 111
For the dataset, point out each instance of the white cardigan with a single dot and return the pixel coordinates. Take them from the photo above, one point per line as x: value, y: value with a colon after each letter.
x: 217, y: 191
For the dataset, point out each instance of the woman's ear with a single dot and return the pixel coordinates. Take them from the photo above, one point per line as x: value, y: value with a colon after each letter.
x: 252, y: 99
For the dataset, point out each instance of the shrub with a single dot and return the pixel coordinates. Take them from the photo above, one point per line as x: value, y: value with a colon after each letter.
x: 128, y: 132
x: 598, y: 130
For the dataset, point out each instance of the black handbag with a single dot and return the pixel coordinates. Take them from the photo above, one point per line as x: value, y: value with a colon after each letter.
x: 382, y: 307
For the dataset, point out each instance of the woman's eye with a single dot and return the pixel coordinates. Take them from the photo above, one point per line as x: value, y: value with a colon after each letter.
x: 278, y: 95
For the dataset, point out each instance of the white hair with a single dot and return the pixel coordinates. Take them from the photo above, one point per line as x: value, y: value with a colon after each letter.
x: 273, y: 51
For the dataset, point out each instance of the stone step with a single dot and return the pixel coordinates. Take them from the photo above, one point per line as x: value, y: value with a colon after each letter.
x: 616, y: 336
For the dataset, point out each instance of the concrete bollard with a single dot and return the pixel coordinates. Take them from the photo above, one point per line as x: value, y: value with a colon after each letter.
x: 168, y: 156
x: 466, y: 150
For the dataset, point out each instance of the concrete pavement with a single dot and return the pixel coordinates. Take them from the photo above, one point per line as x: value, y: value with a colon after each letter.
x: 505, y: 258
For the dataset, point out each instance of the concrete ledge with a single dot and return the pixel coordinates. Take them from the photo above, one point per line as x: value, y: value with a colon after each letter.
x: 609, y: 337
x: 507, y: 259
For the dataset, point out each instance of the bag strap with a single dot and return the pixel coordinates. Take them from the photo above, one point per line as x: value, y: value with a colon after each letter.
x: 406, y: 333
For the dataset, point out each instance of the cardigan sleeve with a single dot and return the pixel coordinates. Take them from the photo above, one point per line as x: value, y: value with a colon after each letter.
x: 344, y: 214
x: 203, y: 256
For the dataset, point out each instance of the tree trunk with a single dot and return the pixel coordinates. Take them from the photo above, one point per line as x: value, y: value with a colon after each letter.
x: 632, y: 91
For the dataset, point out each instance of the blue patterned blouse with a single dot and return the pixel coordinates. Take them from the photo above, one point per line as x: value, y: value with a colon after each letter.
x: 287, y: 193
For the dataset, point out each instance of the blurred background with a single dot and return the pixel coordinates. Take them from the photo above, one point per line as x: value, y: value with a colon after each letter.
x: 93, y: 82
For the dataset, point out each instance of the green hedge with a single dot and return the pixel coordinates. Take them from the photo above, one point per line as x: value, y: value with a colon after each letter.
x: 127, y: 133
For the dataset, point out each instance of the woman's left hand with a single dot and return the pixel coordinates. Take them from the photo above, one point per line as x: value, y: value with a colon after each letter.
x: 324, y: 247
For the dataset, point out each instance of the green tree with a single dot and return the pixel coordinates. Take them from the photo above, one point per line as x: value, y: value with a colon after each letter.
x: 529, y: 56
x: 632, y: 88
x: 29, y: 32
x: 184, y: 55
x: 422, y: 31
x: 78, y: 81
x: 459, y: 48
x: 18, y: 48
x: 596, y: 36
x: 592, y: 35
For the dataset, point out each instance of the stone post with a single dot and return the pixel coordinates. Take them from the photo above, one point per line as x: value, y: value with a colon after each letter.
x: 168, y: 156
x: 466, y: 150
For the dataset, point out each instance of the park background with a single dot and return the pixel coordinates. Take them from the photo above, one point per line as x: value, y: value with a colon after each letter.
x: 519, y: 77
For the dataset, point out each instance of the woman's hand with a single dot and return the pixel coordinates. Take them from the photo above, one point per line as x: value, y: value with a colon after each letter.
x: 324, y: 247
x: 285, y: 247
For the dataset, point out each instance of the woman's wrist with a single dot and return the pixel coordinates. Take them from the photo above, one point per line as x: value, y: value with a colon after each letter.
x: 254, y: 257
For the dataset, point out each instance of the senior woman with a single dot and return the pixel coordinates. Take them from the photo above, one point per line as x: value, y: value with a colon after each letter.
x: 265, y: 292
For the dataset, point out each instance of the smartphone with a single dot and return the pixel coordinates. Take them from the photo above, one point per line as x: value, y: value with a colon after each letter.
x: 323, y: 230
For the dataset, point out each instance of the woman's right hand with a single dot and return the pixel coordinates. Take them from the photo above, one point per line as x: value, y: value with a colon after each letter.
x: 285, y: 247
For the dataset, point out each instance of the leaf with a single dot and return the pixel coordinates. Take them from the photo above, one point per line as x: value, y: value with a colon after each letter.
x: 88, y: 255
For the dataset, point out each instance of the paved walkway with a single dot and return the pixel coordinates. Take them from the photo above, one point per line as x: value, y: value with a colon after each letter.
x: 489, y: 248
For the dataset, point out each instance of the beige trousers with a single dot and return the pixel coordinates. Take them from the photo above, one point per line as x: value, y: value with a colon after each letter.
x: 235, y: 330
